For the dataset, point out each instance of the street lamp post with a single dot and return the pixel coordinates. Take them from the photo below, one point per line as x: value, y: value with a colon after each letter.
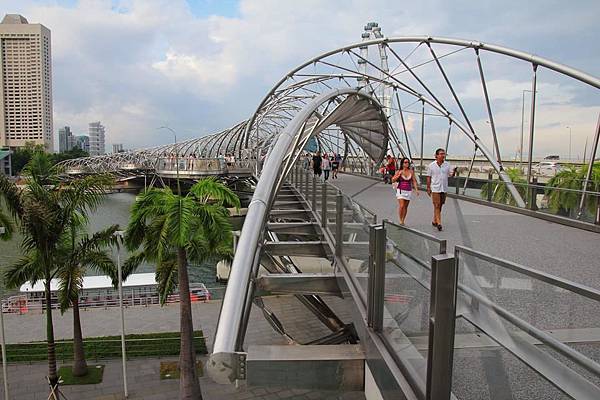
x: 568, y: 127
x: 4, y: 373
x: 119, y: 236
x: 176, y: 156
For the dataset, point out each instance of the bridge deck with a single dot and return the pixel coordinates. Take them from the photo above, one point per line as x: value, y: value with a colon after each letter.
x: 557, y: 249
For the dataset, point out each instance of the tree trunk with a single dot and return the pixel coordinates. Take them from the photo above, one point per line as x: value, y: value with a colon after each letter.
x: 189, y: 387
x: 52, y: 375
x: 79, y: 364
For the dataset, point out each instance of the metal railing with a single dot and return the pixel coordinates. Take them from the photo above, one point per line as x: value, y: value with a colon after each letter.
x: 434, y: 311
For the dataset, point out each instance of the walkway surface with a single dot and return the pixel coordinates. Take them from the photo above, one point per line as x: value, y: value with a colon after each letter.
x: 557, y: 249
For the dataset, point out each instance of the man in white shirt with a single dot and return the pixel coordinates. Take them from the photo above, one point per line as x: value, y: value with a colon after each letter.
x: 437, y: 184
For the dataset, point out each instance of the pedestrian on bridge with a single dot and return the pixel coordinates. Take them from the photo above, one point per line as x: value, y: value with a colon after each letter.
x: 316, y: 164
x: 326, y: 166
x: 437, y: 184
x: 404, y: 182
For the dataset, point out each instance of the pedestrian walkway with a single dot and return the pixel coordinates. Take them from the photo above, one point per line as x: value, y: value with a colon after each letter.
x: 557, y: 249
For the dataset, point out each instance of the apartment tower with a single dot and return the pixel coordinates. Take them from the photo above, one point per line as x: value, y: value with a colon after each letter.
x: 25, y: 83
x: 96, y: 134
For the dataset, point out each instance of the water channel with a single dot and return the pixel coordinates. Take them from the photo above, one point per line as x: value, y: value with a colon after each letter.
x: 115, y: 209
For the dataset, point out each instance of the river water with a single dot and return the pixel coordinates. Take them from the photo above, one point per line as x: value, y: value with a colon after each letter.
x: 114, y: 210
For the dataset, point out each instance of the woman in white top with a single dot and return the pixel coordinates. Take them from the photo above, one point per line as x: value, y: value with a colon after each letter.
x: 405, y: 182
x: 326, y: 166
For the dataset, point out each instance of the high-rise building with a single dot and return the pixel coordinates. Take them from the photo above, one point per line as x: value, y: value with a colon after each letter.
x: 66, y: 141
x: 118, y: 148
x: 5, y: 163
x: 25, y: 83
x: 83, y: 142
x: 96, y: 133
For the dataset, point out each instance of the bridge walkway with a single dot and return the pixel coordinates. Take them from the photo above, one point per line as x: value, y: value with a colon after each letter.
x: 560, y: 250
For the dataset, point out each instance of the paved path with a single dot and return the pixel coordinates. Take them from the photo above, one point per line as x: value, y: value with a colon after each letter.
x: 560, y: 250
x: 27, y: 381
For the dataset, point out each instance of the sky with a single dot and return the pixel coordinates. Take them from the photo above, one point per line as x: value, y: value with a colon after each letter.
x: 200, y: 66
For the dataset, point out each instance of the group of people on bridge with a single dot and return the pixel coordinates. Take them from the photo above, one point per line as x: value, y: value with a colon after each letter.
x: 323, y: 165
x: 404, y: 181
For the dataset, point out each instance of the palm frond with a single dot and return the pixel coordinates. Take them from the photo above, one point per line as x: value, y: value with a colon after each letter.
x: 210, y: 190
x: 166, y: 277
x: 28, y: 268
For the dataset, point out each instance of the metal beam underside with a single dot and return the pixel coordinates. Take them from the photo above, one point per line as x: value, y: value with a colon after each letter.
x: 320, y: 284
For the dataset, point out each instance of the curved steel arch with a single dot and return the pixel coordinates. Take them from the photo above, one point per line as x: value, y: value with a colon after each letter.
x: 353, y: 106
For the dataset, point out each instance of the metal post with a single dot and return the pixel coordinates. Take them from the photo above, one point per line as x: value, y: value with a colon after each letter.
x: 119, y: 235
x: 532, y: 122
x: 442, y: 305
x: 422, y: 137
x: 306, y: 184
x: 371, y: 276
x: 457, y: 184
x: 378, y: 279
x: 490, y: 187
x: 314, y: 194
x: 339, y: 223
x: 324, y: 205
x: 470, y: 170
x: 448, y: 136
x: 588, y: 176
x: 533, y: 195
x: 522, y: 129
x: 4, y: 371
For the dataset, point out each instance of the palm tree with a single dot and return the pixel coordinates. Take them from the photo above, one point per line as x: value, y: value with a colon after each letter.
x: 571, y: 178
x: 44, y: 209
x: 500, y: 192
x: 169, y: 229
x: 79, y: 253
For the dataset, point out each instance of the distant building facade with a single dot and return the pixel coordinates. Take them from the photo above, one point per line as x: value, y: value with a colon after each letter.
x: 118, y: 148
x: 96, y: 133
x: 66, y: 141
x: 25, y: 83
x: 82, y: 142
x: 5, y: 162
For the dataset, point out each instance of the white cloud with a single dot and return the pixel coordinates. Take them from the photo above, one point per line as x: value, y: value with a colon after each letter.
x: 138, y: 64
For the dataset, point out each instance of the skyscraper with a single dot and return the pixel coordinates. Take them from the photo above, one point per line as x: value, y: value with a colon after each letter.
x: 25, y: 83
x: 66, y: 141
x: 118, y: 148
x: 96, y: 133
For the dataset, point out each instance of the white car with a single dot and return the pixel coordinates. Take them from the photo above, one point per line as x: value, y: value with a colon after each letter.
x: 547, y: 168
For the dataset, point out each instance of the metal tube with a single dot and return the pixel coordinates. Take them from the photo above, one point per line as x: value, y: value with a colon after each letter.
x: 123, y: 352
x: 339, y: 223
x: 403, y: 124
x: 522, y: 129
x: 589, y: 171
x: 444, y: 281
x: 324, y: 206
x: 448, y: 136
x: 379, y: 279
x: 314, y: 193
x: 4, y: 370
x: 531, y: 123
x: 470, y: 169
x: 489, y: 108
x: 422, y: 136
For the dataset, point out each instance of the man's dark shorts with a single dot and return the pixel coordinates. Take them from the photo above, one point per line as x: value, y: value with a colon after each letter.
x: 438, y: 199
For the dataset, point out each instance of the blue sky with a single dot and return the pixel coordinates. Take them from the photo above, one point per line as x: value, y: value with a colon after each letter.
x: 201, y: 66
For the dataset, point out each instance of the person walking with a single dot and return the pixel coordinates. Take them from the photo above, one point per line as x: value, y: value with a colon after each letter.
x: 335, y: 164
x: 390, y: 169
x: 326, y: 166
x: 316, y: 164
x: 404, y: 182
x: 437, y: 184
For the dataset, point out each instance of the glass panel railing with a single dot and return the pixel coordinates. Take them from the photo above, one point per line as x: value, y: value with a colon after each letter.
x: 407, y: 296
x: 546, y: 322
x: 483, y: 370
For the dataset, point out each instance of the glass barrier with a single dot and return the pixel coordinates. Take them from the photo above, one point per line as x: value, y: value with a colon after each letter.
x: 545, y: 322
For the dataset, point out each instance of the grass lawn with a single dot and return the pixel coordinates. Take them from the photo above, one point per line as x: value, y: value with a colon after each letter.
x: 93, y: 376
x: 170, y: 369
